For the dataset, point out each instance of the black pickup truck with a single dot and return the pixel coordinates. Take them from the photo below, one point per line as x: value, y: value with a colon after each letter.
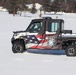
x: 46, y: 34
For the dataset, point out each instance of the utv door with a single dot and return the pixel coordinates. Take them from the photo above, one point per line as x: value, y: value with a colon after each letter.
x: 35, y: 34
x: 52, y: 28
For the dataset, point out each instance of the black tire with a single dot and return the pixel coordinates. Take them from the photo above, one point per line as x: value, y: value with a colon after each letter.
x: 18, y: 47
x: 70, y: 51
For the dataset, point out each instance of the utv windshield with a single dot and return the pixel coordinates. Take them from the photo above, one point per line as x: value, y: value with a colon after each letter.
x: 35, y: 27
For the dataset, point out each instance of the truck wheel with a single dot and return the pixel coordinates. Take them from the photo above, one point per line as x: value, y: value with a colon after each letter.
x: 18, y: 47
x: 70, y: 51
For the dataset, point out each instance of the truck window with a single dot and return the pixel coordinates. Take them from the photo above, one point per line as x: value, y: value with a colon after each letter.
x: 35, y: 27
x: 52, y: 27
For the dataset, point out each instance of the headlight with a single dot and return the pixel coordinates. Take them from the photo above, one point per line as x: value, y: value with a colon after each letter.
x: 15, y: 35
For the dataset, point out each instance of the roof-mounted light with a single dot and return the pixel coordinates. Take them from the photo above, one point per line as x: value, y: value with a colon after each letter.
x: 46, y: 18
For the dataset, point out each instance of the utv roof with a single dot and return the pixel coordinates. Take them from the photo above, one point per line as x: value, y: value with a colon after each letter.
x: 48, y: 18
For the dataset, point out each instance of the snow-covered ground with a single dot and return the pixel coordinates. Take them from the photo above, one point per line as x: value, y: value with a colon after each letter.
x: 30, y: 63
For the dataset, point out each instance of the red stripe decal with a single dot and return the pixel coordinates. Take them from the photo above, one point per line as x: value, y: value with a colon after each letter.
x: 40, y: 47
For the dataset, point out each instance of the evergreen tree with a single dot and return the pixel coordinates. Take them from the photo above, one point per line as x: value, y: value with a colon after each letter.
x: 75, y: 6
x: 71, y: 5
x: 14, y: 5
x: 46, y: 5
x: 22, y: 5
x: 11, y: 6
x: 57, y: 5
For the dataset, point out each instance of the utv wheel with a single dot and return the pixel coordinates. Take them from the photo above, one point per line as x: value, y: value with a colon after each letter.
x: 70, y: 51
x: 18, y: 47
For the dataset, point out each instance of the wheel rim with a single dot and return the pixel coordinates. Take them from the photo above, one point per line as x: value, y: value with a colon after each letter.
x: 18, y: 48
x: 71, y: 51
